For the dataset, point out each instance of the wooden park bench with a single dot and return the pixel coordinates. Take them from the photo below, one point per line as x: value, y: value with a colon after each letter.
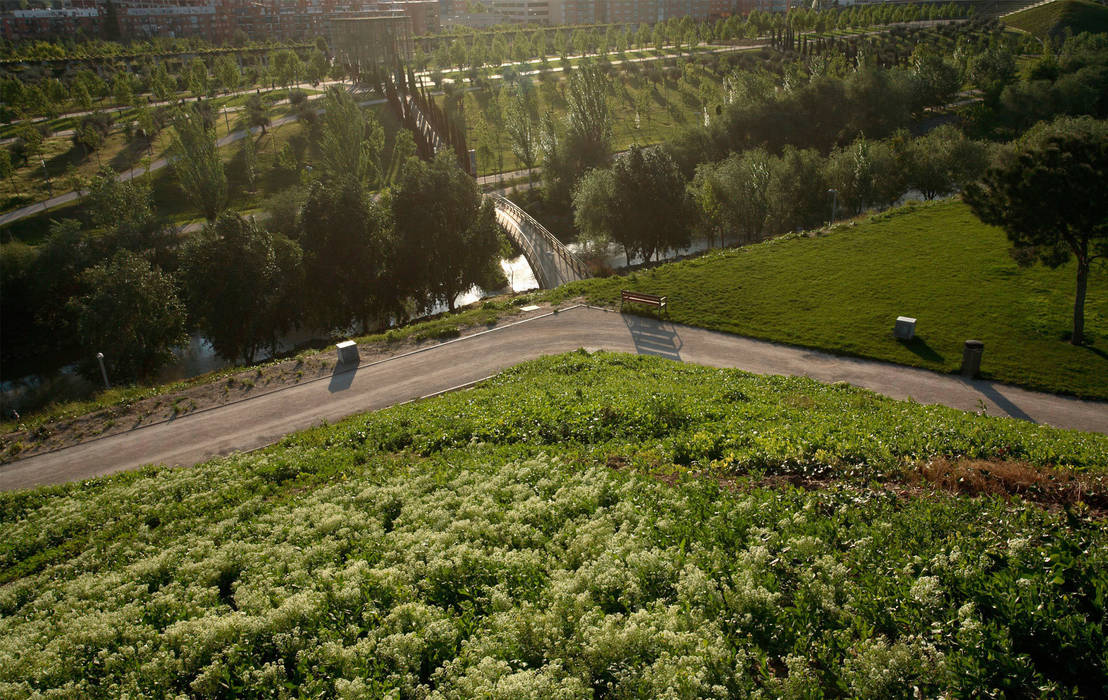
x: 642, y: 298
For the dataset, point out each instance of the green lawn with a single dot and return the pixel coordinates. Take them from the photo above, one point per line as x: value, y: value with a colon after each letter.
x: 1055, y: 18
x: 842, y: 292
x: 578, y: 526
x: 664, y: 109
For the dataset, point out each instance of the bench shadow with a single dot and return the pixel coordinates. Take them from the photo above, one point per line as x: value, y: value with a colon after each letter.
x: 654, y: 337
x: 342, y: 377
x: 919, y: 347
x: 988, y: 390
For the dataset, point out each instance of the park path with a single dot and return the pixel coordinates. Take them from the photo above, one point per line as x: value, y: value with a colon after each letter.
x: 264, y: 419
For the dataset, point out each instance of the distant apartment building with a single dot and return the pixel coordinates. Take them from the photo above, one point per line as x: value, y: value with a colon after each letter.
x: 214, y: 20
x: 520, y: 11
x: 20, y: 19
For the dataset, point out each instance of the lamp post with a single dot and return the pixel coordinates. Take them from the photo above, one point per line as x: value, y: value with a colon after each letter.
x: 834, y: 202
x: 103, y: 372
x: 46, y: 174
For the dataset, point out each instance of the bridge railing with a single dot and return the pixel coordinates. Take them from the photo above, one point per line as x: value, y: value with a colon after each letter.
x: 571, y: 261
x: 524, y: 242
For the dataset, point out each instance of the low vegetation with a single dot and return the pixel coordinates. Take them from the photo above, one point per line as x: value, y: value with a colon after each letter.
x: 579, y: 526
x: 842, y: 290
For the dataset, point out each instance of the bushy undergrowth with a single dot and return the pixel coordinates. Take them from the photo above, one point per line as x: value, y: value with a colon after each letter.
x: 481, y: 545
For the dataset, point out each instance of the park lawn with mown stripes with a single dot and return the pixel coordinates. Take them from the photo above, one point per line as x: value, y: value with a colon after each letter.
x: 842, y: 291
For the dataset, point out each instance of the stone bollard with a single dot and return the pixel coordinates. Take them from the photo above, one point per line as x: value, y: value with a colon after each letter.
x: 348, y: 353
x: 971, y: 358
x: 905, y: 328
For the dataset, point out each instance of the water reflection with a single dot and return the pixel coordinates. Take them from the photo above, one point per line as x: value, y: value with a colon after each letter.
x: 198, y: 357
x: 614, y: 257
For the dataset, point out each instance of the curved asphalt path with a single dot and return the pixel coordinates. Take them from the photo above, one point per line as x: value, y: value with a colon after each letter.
x: 259, y: 421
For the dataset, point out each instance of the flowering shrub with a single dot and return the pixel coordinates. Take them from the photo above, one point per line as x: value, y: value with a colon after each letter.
x: 481, y: 545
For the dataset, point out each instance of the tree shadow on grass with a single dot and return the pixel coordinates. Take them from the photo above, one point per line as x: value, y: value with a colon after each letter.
x: 130, y: 155
x: 1096, y: 351
x: 919, y: 347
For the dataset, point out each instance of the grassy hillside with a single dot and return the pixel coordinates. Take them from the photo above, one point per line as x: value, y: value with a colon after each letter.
x: 843, y: 291
x: 1055, y: 18
x: 580, y: 526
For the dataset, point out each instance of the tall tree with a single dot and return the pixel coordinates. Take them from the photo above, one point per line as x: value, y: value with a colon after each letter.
x: 92, y: 132
x: 257, y: 112
x: 227, y: 73
x: 350, y: 140
x: 317, y: 67
x: 796, y: 193
x: 197, y: 77
x: 448, y: 239
x: 589, y: 131
x: 521, y: 117
x: 122, y: 90
x: 123, y: 211
x: 131, y: 313
x: 197, y: 164
x: 239, y: 281
x: 285, y: 67
x: 588, y: 138
x: 732, y: 194
x: 345, y: 237
x: 644, y: 206
x: 1047, y: 193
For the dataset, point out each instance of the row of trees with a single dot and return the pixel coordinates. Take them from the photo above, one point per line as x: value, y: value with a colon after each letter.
x: 820, y: 112
x: 81, y: 48
x: 32, y: 96
x: 336, y: 257
x: 124, y: 284
x: 645, y: 204
x: 478, y: 49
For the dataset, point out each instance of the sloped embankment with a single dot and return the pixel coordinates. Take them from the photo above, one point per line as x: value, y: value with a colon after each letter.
x: 482, y: 544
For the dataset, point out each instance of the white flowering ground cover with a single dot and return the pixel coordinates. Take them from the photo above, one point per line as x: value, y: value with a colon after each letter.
x: 581, y: 526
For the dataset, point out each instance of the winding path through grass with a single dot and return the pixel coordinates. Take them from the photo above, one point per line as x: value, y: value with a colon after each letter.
x: 266, y: 418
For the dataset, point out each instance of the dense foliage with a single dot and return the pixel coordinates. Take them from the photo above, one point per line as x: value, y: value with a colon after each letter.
x: 482, y: 545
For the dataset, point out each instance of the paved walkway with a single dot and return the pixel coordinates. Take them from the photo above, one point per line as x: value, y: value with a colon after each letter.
x: 261, y: 420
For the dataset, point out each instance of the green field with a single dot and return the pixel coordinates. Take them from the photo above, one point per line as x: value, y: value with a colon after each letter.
x: 842, y: 291
x: 1055, y: 18
x: 579, y: 526
x: 664, y: 107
